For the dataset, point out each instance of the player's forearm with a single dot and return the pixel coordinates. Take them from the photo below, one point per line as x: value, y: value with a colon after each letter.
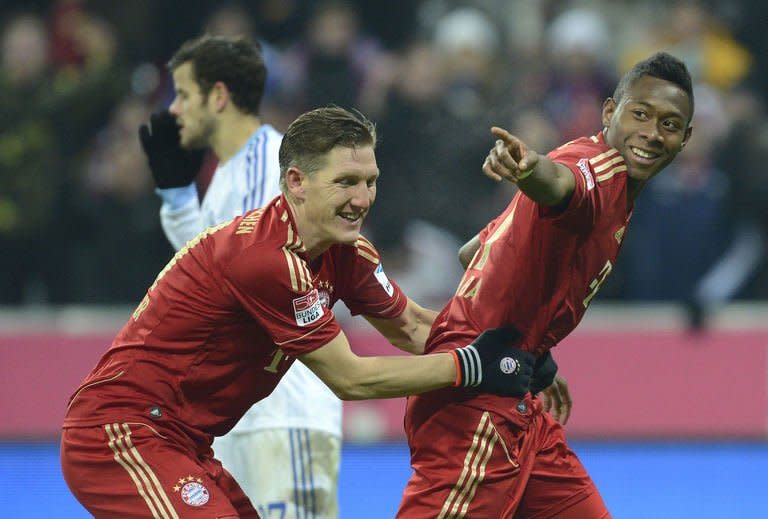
x: 416, y: 333
x: 390, y: 377
x: 549, y: 184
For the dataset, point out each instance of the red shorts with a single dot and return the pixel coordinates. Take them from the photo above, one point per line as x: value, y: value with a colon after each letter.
x: 504, y: 460
x: 133, y: 470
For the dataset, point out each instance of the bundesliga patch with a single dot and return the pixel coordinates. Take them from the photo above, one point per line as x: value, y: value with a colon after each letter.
x: 583, y: 165
x: 192, y: 491
x: 381, y: 277
x: 308, y: 309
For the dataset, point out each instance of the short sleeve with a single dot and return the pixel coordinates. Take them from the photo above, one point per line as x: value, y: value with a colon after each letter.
x: 275, y: 288
x: 579, y: 211
x: 368, y: 290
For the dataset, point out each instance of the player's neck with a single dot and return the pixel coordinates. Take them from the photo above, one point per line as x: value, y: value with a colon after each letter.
x: 634, y: 188
x: 232, y: 133
x: 307, y: 230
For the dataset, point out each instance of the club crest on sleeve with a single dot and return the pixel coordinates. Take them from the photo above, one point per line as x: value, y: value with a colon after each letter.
x: 381, y: 277
x: 308, y: 308
x: 192, y: 491
x: 583, y: 165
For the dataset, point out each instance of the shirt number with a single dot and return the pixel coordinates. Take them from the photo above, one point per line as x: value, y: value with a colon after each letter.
x: 276, y: 358
x: 598, y: 282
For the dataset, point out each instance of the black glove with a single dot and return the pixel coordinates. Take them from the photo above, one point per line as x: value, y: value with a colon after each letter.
x: 171, y: 165
x: 491, y: 365
x: 543, y: 373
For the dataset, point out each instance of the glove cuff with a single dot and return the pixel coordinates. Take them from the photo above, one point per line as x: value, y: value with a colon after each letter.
x: 469, y: 366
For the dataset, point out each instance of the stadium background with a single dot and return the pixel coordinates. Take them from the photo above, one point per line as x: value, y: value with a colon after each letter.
x: 669, y: 372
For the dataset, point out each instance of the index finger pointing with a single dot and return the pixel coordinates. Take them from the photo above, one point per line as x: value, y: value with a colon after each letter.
x: 503, y: 134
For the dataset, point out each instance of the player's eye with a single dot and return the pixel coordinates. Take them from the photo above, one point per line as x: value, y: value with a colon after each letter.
x: 640, y: 114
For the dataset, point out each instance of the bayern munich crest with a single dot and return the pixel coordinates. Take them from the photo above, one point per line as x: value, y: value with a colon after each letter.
x: 508, y: 365
x: 192, y: 491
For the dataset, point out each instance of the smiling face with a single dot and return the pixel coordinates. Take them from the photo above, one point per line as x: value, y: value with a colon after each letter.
x: 649, y: 125
x: 335, y: 199
x: 191, y: 109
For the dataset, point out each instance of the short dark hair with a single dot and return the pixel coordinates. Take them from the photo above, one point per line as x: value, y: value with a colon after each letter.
x: 661, y: 65
x: 315, y: 133
x: 238, y: 63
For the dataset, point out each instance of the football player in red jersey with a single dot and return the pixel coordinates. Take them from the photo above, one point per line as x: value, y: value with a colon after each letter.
x: 229, y: 314
x: 537, y: 267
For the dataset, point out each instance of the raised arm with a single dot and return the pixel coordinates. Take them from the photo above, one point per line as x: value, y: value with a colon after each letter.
x: 409, y: 330
x: 542, y: 180
x: 468, y: 250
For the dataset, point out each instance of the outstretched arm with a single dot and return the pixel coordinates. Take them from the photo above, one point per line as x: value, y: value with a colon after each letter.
x: 489, y: 364
x: 359, y: 378
x: 542, y: 180
x: 409, y: 330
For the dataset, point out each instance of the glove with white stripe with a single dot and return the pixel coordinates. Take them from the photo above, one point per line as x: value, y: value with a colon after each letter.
x: 171, y: 165
x: 491, y: 365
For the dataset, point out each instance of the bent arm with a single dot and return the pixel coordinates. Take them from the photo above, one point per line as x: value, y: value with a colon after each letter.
x: 358, y: 378
x: 468, y: 250
x: 409, y: 330
x: 180, y: 214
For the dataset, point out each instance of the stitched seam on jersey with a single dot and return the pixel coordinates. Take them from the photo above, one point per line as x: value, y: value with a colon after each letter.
x: 92, y: 384
x: 468, y: 480
x: 303, y: 336
x: 155, y: 431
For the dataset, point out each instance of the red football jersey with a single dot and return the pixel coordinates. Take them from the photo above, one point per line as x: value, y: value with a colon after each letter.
x: 538, y: 268
x: 223, y: 322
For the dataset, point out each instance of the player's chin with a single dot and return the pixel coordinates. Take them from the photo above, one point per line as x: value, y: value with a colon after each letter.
x: 347, y: 234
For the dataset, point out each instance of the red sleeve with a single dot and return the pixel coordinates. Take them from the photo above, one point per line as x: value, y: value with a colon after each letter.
x: 275, y: 288
x: 579, y: 212
x: 368, y: 291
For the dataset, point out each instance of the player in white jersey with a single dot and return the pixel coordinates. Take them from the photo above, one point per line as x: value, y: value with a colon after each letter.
x: 285, y: 451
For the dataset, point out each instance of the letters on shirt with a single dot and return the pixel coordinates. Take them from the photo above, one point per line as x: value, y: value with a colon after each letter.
x: 308, y: 309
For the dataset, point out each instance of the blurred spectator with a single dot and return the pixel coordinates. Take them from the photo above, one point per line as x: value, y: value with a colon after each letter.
x: 30, y: 182
x: 578, y: 40
x: 333, y: 61
x: 690, y: 32
x: 461, y: 66
x: 123, y: 241
x: 742, y: 270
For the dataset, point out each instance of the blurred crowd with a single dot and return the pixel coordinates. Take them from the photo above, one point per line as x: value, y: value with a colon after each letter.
x: 79, y: 218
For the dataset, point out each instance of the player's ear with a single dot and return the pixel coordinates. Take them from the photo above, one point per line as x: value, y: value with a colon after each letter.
x: 688, y: 132
x: 219, y: 96
x: 609, y: 107
x: 294, y: 181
